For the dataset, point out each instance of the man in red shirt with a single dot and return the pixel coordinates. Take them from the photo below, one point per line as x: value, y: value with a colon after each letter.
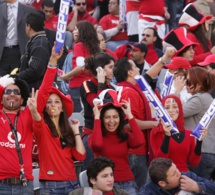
x: 50, y: 18
x: 113, y: 27
x: 79, y: 13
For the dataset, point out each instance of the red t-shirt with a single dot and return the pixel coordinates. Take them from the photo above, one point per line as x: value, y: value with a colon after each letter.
x: 79, y: 51
x: 85, y: 16
x: 9, y: 161
x: 132, y: 5
x: 111, y: 21
x: 152, y: 7
x: 138, y: 111
x: 52, y: 23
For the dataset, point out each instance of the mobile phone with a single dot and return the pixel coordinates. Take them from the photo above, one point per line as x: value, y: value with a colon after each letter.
x: 59, y: 72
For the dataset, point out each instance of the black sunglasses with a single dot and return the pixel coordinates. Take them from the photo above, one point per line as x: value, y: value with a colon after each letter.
x: 79, y: 4
x: 9, y: 91
x: 146, y: 35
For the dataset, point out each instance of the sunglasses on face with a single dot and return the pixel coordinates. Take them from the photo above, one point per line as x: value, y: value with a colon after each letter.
x: 9, y: 91
x: 146, y: 35
x: 79, y: 4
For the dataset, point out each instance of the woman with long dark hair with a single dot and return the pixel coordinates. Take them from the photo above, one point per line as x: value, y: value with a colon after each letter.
x: 59, y: 140
x: 110, y: 139
x: 100, y: 66
x: 86, y: 44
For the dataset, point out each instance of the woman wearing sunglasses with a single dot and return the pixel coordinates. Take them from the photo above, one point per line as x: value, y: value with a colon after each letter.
x: 199, y: 83
x: 59, y: 141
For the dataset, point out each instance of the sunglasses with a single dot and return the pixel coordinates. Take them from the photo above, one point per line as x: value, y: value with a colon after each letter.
x: 9, y: 91
x: 79, y: 4
x: 146, y: 35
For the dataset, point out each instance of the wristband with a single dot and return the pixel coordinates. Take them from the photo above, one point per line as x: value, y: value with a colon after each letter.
x: 77, y: 134
x: 52, y: 66
x: 161, y: 60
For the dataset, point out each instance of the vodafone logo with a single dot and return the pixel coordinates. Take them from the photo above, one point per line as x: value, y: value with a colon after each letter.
x: 10, y: 137
x: 11, y: 141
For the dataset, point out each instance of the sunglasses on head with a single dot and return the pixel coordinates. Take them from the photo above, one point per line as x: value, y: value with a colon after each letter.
x: 9, y: 91
x: 145, y: 35
x: 79, y: 4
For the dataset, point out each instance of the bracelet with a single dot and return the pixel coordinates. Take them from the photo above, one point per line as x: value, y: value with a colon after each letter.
x: 52, y: 66
x: 161, y: 60
x: 77, y: 134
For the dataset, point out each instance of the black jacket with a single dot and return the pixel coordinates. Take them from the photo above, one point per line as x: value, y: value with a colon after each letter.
x: 35, y: 60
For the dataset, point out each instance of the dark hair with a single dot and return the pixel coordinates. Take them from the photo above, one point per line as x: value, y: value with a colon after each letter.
x: 212, y: 65
x: 65, y: 129
x: 100, y: 59
x: 36, y: 21
x: 96, y: 166
x: 42, y: 13
x: 88, y: 36
x: 199, y: 75
x: 199, y: 33
x: 155, y: 33
x: 185, y: 50
x: 158, y: 169
x: 121, y: 68
x: 24, y: 88
x: 120, y: 129
x: 47, y: 3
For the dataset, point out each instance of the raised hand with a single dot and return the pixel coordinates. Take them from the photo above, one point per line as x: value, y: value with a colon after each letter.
x: 203, y: 133
x: 55, y: 56
x: 167, y: 128
x: 32, y: 101
x: 74, y: 124
x: 101, y: 75
x: 188, y: 184
x: 96, y: 111
x: 127, y: 108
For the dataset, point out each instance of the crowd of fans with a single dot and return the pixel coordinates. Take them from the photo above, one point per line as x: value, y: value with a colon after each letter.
x: 124, y: 145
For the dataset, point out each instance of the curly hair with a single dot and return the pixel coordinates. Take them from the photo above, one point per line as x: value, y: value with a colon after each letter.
x: 88, y: 36
x: 120, y: 129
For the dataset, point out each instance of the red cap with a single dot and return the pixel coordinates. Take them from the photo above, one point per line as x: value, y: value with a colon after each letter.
x: 66, y: 100
x: 208, y: 60
x: 178, y: 62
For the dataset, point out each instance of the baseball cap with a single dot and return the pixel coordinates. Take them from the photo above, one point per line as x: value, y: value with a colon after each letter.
x: 139, y: 47
x: 208, y: 60
x: 178, y: 62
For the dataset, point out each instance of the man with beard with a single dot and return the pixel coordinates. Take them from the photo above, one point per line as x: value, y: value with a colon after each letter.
x: 15, y: 120
x: 79, y: 13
